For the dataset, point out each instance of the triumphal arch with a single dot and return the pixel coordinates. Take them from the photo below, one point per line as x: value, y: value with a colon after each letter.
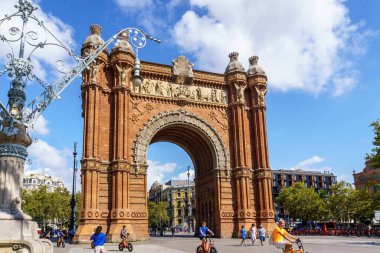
x: 219, y: 119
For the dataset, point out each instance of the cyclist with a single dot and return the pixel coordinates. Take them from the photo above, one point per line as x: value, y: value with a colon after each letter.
x: 203, y: 230
x: 279, y: 237
x: 60, y: 236
x: 123, y: 235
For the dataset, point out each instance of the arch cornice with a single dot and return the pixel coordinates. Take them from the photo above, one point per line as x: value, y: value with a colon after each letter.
x: 183, y: 117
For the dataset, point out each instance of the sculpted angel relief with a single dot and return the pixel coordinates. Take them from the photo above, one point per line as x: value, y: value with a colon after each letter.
x: 172, y: 90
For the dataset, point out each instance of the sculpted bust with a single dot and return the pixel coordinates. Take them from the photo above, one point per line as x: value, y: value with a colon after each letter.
x: 182, y: 70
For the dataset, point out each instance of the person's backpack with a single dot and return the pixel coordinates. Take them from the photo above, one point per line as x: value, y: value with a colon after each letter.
x: 271, y: 239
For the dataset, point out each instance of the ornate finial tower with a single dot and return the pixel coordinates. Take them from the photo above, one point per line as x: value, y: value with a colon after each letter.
x: 262, y: 176
x: 94, y: 106
x: 122, y: 60
x: 236, y: 80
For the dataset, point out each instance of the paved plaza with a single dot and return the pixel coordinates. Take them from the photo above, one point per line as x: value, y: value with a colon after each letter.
x: 188, y: 244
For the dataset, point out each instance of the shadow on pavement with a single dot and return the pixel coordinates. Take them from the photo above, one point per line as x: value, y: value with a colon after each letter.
x: 365, y: 243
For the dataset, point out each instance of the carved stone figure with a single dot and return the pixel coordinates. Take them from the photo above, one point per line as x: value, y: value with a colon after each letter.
x: 169, y: 90
x: 16, y: 206
x: 94, y: 72
x: 123, y: 73
x: 182, y: 70
x: 261, y: 95
x: 240, y: 92
x: 199, y: 93
x: 147, y: 87
x: 159, y: 89
x: 223, y: 98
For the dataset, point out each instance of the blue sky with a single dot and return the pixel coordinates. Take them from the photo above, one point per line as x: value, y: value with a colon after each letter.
x: 321, y: 57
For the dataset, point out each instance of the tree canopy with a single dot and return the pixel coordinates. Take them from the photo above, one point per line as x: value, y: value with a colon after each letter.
x: 374, y: 157
x: 343, y: 203
x: 302, y: 202
x: 45, y: 207
x: 158, y: 213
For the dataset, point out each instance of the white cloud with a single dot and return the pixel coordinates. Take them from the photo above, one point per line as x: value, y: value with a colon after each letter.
x: 302, y: 44
x: 47, y: 159
x: 310, y: 164
x: 133, y: 5
x: 346, y: 178
x: 43, y: 60
x: 157, y: 171
x: 41, y: 126
x: 183, y: 176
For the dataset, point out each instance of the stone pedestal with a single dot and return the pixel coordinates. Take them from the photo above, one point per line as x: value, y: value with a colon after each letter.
x: 18, y: 233
x: 21, y: 236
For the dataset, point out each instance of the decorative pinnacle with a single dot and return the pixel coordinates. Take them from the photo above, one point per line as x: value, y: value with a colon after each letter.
x: 253, y: 60
x: 95, y: 29
x: 233, y: 55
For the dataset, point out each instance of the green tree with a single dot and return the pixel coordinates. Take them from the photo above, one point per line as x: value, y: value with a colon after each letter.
x: 363, y: 208
x: 152, y: 214
x: 339, y: 203
x: 60, y: 198
x: 374, y: 157
x: 78, y: 199
x: 38, y: 204
x: 158, y: 213
x: 302, y: 202
x: 45, y: 206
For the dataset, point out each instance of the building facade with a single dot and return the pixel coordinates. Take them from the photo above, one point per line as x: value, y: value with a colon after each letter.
x: 312, y: 179
x: 180, y: 194
x: 219, y: 119
x: 368, y: 179
x: 33, y: 181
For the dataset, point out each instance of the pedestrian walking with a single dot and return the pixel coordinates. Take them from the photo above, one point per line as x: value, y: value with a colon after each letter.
x: 253, y: 231
x: 99, y: 239
x: 243, y: 234
x: 262, y: 233
x: 173, y: 230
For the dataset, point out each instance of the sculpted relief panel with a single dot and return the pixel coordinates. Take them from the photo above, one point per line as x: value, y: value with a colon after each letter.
x: 181, y: 91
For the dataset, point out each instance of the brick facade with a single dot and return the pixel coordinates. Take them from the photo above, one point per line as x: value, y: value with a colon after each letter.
x: 225, y: 137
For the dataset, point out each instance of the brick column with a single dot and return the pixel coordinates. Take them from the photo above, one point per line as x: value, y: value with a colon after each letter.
x: 122, y: 57
x: 239, y: 134
x: 262, y: 173
x: 91, y: 163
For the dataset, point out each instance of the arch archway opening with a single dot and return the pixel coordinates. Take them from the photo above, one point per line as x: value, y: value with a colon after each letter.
x: 171, y: 150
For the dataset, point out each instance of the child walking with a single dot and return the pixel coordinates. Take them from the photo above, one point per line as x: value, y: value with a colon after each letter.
x: 243, y: 234
x: 262, y: 233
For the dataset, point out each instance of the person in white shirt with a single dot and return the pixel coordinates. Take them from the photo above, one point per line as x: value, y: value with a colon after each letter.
x: 253, y: 231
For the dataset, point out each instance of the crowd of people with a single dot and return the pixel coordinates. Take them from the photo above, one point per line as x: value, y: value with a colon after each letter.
x: 280, y: 237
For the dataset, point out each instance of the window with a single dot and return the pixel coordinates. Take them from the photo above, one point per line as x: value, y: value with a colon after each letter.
x: 179, y: 212
x: 178, y: 203
x: 178, y: 195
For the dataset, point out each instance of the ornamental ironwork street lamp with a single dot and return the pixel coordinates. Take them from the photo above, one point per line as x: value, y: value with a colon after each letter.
x: 16, y: 116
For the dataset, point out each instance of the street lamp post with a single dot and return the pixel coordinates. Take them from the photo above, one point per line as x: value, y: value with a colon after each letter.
x: 73, y: 200
x: 16, y: 116
x: 189, y: 200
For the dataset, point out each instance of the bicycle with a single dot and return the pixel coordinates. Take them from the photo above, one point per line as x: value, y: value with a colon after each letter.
x: 299, y: 250
x: 60, y: 242
x: 125, y: 244
x: 209, y: 247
